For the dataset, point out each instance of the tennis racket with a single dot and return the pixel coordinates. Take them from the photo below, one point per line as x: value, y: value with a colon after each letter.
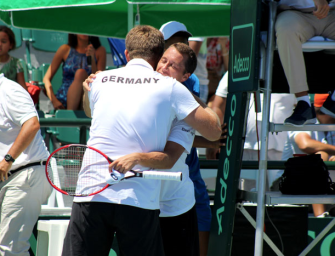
x: 80, y: 170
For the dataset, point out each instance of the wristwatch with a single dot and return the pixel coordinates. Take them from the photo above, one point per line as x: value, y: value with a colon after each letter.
x: 9, y: 158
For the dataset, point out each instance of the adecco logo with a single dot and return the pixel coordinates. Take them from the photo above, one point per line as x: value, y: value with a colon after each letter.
x: 242, y: 49
x: 226, y: 169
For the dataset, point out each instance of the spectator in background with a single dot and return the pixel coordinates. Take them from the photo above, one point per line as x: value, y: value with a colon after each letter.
x: 10, y: 66
x: 199, y: 46
x: 75, y: 69
x: 297, y: 22
x: 310, y: 142
x: 217, y: 63
x: 23, y: 183
x: 281, y: 105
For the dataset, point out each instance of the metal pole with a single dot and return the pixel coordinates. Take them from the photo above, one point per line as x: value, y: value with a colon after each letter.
x: 130, y: 16
x: 264, y: 133
x: 30, y: 67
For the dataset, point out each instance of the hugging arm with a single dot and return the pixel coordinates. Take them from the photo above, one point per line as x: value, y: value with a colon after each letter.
x: 155, y: 160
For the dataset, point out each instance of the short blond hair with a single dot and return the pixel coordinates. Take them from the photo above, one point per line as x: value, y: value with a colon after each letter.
x: 145, y: 42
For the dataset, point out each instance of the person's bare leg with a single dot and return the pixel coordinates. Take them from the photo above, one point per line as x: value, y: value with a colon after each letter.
x: 203, y: 242
x: 300, y: 94
x: 318, y: 209
x: 75, y: 92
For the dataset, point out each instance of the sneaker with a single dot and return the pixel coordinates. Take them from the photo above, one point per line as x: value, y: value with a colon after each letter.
x: 302, y: 114
x: 328, y: 106
x: 323, y: 215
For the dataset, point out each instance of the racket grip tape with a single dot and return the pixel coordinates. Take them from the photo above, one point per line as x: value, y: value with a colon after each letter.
x: 156, y: 175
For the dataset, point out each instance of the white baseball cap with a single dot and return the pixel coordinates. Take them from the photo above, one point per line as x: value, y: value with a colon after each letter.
x: 170, y: 28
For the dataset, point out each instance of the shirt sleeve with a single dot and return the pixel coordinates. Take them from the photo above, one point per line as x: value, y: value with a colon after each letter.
x: 182, y: 134
x: 193, y: 85
x: 196, y: 85
x: 93, y: 93
x: 222, y: 89
x: 21, y: 107
x: 182, y: 101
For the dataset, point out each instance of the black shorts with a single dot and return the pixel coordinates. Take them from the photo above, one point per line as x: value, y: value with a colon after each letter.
x: 92, y: 227
x: 180, y: 234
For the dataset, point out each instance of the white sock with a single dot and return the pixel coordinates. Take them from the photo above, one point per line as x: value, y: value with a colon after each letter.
x: 304, y: 98
x: 333, y: 96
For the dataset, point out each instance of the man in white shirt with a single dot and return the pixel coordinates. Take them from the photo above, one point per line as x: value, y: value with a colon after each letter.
x: 176, y: 32
x: 178, y: 218
x: 133, y: 109
x: 23, y: 184
x: 299, y: 21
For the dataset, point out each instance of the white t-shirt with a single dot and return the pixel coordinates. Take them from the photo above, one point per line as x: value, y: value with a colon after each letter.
x: 132, y: 111
x: 282, y: 106
x: 177, y: 198
x: 292, y: 148
x: 17, y: 107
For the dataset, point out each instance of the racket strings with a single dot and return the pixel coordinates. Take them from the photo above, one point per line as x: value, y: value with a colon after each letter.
x: 78, y: 170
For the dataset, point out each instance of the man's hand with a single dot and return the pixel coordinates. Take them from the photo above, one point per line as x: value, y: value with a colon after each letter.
x: 216, y: 145
x: 220, y: 142
x: 322, y: 9
x: 90, y: 79
x: 332, y: 159
x: 4, y: 169
x: 125, y: 163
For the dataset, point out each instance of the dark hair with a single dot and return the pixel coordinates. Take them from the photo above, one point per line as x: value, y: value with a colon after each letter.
x: 10, y: 34
x: 191, y: 57
x: 72, y: 41
x: 145, y: 42
x: 181, y: 34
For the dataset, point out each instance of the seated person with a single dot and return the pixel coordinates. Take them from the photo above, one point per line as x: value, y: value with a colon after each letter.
x: 309, y: 142
x: 281, y: 105
x: 10, y: 66
x: 75, y: 69
x: 298, y: 22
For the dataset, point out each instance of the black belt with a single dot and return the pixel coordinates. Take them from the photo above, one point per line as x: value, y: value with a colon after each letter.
x: 26, y: 166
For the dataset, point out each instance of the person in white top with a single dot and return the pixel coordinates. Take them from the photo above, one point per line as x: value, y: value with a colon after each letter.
x: 281, y: 105
x: 23, y: 184
x: 132, y: 111
x: 297, y: 22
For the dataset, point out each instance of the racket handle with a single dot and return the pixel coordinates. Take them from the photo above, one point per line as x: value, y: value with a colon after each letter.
x: 156, y: 175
